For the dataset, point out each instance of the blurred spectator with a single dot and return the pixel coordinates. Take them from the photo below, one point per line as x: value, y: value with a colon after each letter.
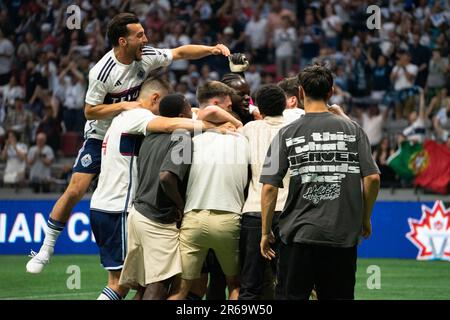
x: 256, y: 32
x: 15, y: 153
x: 182, y: 88
x: 380, y: 73
x: 253, y: 77
x: 420, y: 56
x: 40, y: 157
x: 310, y: 36
x: 71, y: 93
x: 360, y: 69
x: 332, y: 26
x: 372, y: 121
x: 416, y: 130
x: 381, y: 155
x: 51, y: 126
x: 403, y: 76
x: 285, y: 42
x: 20, y: 120
x: 177, y: 38
x: 438, y: 68
x: 6, y: 58
x: 11, y: 91
x: 28, y: 49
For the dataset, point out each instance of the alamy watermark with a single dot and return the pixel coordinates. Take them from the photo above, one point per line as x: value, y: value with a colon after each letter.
x: 73, y: 20
x: 374, y: 20
x: 374, y: 280
x: 73, y: 282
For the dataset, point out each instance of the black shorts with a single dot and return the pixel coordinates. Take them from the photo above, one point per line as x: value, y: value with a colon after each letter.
x: 110, y: 235
x: 303, y: 267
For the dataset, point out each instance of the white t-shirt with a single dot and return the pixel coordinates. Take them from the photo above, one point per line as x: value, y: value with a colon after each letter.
x: 219, y: 172
x: 38, y: 168
x: 416, y: 131
x: 401, y: 82
x: 373, y: 127
x: 111, y: 81
x: 118, y: 173
x: 6, y: 48
x: 293, y: 114
x: 260, y: 134
x: 257, y: 32
x: 285, y: 41
x: 328, y: 25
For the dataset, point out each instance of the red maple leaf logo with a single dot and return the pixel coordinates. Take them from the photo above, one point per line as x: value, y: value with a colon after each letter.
x: 431, y: 235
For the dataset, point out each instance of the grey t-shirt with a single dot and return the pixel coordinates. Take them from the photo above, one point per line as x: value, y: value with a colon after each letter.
x: 327, y: 156
x: 38, y: 168
x: 160, y: 152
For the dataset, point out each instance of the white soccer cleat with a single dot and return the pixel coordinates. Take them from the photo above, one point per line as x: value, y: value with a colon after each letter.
x: 38, y: 260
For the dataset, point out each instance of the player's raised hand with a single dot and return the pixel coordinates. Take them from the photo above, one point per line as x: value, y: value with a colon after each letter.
x: 129, y: 105
x: 220, y: 49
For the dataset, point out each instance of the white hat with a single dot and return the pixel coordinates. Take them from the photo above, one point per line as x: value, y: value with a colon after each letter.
x: 228, y: 30
x: 46, y: 27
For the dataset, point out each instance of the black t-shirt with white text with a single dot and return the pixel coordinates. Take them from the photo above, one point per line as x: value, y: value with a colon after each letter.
x: 327, y: 157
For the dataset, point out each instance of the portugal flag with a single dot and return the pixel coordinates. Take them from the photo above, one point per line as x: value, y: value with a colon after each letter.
x: 405, y: 160
x: 434, y: 173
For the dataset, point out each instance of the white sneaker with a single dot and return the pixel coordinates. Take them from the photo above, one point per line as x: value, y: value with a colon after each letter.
x: 39, y: 260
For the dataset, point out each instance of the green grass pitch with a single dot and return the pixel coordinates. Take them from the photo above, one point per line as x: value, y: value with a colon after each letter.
x: 400, y: 279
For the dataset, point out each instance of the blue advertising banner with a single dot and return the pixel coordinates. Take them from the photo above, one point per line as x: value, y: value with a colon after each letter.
x: 413, y: 230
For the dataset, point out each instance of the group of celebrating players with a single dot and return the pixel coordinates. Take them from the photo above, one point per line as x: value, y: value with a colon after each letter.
x: 178, y: 194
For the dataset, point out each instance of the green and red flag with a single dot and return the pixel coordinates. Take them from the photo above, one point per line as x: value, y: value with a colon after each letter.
x: 428, y: 164
x: 434, y: 174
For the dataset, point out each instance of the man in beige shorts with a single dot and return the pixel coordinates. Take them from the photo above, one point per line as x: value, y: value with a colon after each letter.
x: 153, y: 256
x: 214, y: 199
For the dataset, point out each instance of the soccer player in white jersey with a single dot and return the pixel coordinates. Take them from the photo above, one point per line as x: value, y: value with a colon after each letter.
x: 114, y: 82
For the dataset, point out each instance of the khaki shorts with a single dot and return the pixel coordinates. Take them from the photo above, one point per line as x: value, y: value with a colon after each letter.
x: 202, y: 230
x: 153, y: 252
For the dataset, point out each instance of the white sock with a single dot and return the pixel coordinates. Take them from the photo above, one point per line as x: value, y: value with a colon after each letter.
x: 52, y: 232
x: 109, y: 294
x: 103, y: 296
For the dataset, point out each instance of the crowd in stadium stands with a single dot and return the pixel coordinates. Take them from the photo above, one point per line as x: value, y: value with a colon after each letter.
x: 380, y: 74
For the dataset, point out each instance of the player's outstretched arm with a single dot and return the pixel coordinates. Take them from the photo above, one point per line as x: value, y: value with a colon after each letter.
x: 216, y: 114
x: 192, y: 52
x: 105, y: 111
x: 168, y: 125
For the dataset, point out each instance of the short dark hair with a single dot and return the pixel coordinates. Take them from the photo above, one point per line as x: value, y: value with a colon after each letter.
x: 290, y: 87
x: 230, y: 78
x: 172, y: 105
x: 316, y: 81
x: 117, y: 27
x: 271, y: 100
x: 212, y: 89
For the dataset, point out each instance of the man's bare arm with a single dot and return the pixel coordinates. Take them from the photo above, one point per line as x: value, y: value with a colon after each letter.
x: 269, y: 196
x: 193, y: 52
x: 216, y: 114
x: 168, y: 125
x: 105, y: 111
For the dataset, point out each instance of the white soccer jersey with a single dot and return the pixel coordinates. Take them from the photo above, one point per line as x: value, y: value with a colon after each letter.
x: 111, y: 81
x: 117, y: 181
